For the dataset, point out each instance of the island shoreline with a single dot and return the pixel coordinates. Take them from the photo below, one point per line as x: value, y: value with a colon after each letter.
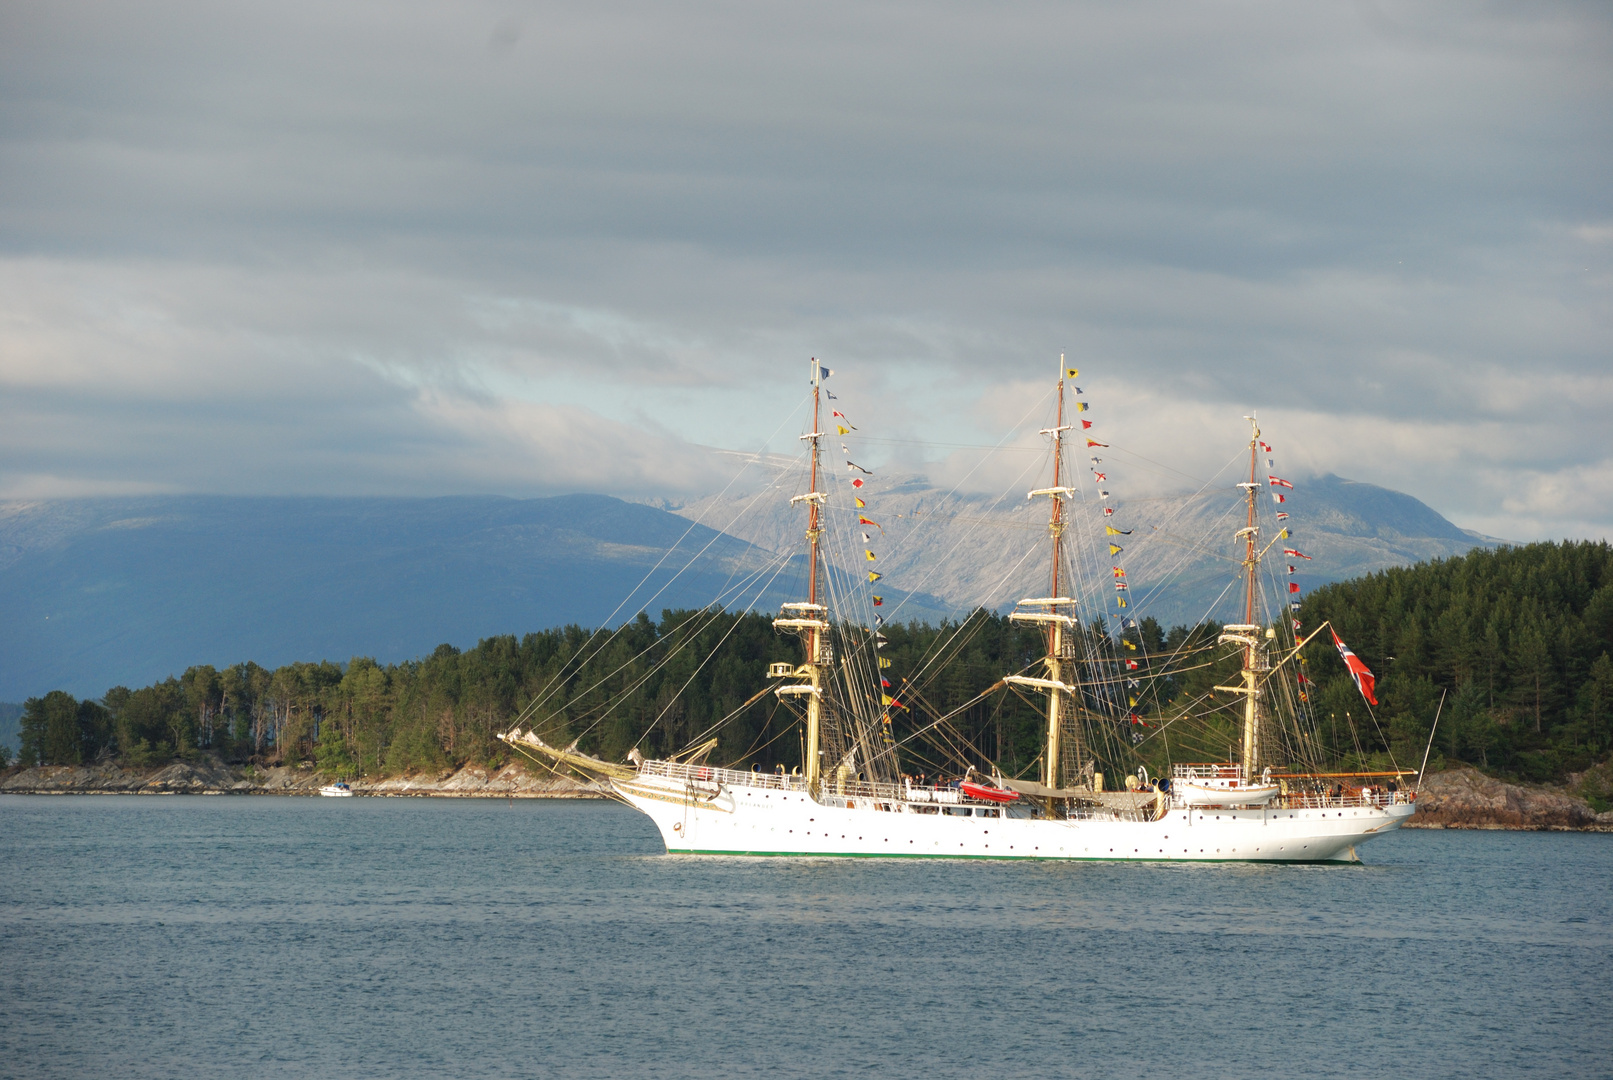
x: 1460, y: 798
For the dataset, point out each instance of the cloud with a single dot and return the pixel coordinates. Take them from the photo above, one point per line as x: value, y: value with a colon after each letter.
x: 530, y: 247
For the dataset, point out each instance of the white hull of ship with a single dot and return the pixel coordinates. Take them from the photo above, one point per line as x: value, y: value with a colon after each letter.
x: 719, y: 818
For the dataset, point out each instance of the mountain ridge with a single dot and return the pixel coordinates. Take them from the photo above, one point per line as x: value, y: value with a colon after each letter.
x: 973, y: 550
x: 127, y: 590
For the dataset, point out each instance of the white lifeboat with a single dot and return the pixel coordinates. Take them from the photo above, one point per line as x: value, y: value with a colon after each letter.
x: 1208, y: 792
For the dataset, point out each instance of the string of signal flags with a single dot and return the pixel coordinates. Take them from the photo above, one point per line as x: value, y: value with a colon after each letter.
x: 867, y: 526
x: 1278, y: 488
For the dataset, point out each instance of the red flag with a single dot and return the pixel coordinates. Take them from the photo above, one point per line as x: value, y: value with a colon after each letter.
x: 1085, y: 424
x: 1293, y: 586
x: 857, y: 482
x: 1364, y: 680
x: 1292, y: 554
x: 1095, y: 442
x: 1277, y: 481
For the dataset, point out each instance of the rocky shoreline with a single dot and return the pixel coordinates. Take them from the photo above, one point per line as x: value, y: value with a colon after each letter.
x: 213, y: 777
x: 1464, y: 798
x: 1458, y: 798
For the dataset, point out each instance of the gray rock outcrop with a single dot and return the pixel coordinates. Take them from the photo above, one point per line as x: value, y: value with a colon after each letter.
x: 1464, y: 798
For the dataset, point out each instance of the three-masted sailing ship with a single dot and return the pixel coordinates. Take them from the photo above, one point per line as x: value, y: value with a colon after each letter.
x: 849, y: 798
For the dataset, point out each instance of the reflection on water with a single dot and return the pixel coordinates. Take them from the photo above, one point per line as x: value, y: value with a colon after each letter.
x: 368, y: 937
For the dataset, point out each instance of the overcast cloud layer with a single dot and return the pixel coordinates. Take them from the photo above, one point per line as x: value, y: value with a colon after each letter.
x: 524, y: 248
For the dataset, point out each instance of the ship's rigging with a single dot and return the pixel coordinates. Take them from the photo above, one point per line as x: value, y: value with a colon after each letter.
x: 1109, y: 695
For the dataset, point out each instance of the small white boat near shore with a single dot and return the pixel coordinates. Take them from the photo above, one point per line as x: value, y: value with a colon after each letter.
x: 338, y: 790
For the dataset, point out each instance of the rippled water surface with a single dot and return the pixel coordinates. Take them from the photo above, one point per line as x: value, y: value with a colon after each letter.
x: 281, y: 937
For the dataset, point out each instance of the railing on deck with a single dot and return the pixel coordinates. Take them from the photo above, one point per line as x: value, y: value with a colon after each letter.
x: 1314, y: 800
x: 859, y: 790
x: 829, y: 787
x: 709, y: 774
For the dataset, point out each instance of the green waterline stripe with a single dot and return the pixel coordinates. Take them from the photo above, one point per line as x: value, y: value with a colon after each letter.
x: 999, y: 858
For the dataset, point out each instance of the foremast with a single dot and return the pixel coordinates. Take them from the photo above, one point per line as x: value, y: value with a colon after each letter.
x: 811, y: 617
x: 1046, y: 611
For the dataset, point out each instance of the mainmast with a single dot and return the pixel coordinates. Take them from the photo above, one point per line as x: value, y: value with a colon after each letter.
x: 1055, y: 628
x: 813, y: 618
x: 1253, y: 655
x: 1049, y: 615
x: 815, y: 634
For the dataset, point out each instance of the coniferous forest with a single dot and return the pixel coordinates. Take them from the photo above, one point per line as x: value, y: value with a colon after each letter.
x: 1517, y: 640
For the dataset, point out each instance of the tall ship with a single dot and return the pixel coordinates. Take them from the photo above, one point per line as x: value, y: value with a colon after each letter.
x: 1087, y: 795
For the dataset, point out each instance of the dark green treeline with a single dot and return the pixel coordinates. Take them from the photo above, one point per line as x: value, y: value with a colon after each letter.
x: 1519, y: 639
x: 658, y: 686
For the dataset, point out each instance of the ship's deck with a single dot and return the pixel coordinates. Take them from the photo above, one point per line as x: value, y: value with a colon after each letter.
x: 926, y: 798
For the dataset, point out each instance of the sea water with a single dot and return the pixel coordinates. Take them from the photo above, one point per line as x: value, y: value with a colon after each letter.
x: 285, y: 937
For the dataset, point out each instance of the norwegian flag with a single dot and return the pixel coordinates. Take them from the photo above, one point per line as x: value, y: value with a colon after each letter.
x: 1364, y: 680
x: 1292, y: 554
x: 1277, y: 481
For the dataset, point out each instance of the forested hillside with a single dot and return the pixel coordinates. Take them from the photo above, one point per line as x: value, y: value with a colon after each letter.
x: 658, y: 686
x: 1519, y: 639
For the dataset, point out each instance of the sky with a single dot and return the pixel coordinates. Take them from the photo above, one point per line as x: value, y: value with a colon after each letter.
x: 440, y: 248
